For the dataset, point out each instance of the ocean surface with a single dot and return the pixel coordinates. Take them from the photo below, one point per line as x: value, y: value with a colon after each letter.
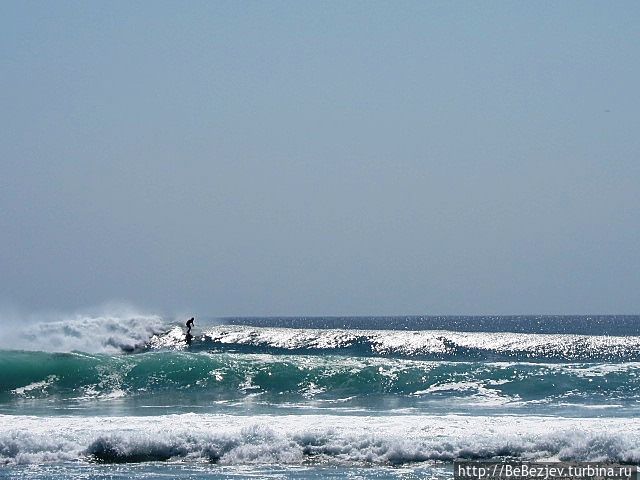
x: 124, y: 395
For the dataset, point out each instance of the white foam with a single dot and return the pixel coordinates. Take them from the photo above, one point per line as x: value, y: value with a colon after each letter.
x: 174, y: 339
x: 42, y: 385
x: 296, y: 439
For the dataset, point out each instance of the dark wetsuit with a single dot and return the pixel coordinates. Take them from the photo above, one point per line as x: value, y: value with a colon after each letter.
x: 188, y: 336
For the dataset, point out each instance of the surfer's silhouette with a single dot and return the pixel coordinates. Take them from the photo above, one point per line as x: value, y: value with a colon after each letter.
x: 188, y: 336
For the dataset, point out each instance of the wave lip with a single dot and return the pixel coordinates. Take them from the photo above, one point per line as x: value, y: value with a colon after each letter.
x: 428, y: 344
x: 309, y: 439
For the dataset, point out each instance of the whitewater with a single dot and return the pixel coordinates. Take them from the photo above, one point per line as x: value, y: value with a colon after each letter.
x: 122, y: 394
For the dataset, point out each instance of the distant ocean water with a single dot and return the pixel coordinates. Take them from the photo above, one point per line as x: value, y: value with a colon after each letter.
x: 366, y: 397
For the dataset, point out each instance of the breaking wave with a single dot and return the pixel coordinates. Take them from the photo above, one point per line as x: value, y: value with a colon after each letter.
x: 434, y: 344
x: 309, y: 439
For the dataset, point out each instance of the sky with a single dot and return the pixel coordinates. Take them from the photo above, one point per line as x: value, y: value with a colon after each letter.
x: 321, y: 158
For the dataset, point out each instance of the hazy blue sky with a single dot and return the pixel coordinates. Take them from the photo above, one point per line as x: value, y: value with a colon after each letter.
x: 241, y: 158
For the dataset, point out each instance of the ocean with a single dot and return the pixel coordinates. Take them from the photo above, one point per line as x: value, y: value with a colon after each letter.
x: 123, y: 396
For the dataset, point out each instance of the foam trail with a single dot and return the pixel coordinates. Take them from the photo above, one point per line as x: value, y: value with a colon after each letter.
x: 300, y: 439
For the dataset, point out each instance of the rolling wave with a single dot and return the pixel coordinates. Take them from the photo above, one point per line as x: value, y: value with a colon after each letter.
x: 278, y: 378
x: 435, y: 344
x: 132, y: 332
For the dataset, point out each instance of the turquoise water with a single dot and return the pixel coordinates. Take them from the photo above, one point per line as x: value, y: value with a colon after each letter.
x: 315, y: 398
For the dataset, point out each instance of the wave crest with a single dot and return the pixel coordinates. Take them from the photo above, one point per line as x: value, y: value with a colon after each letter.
x: 434, y: 344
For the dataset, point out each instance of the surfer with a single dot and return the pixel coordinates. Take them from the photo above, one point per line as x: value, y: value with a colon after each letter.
x: 188, y: 336
x: 189, y: 325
